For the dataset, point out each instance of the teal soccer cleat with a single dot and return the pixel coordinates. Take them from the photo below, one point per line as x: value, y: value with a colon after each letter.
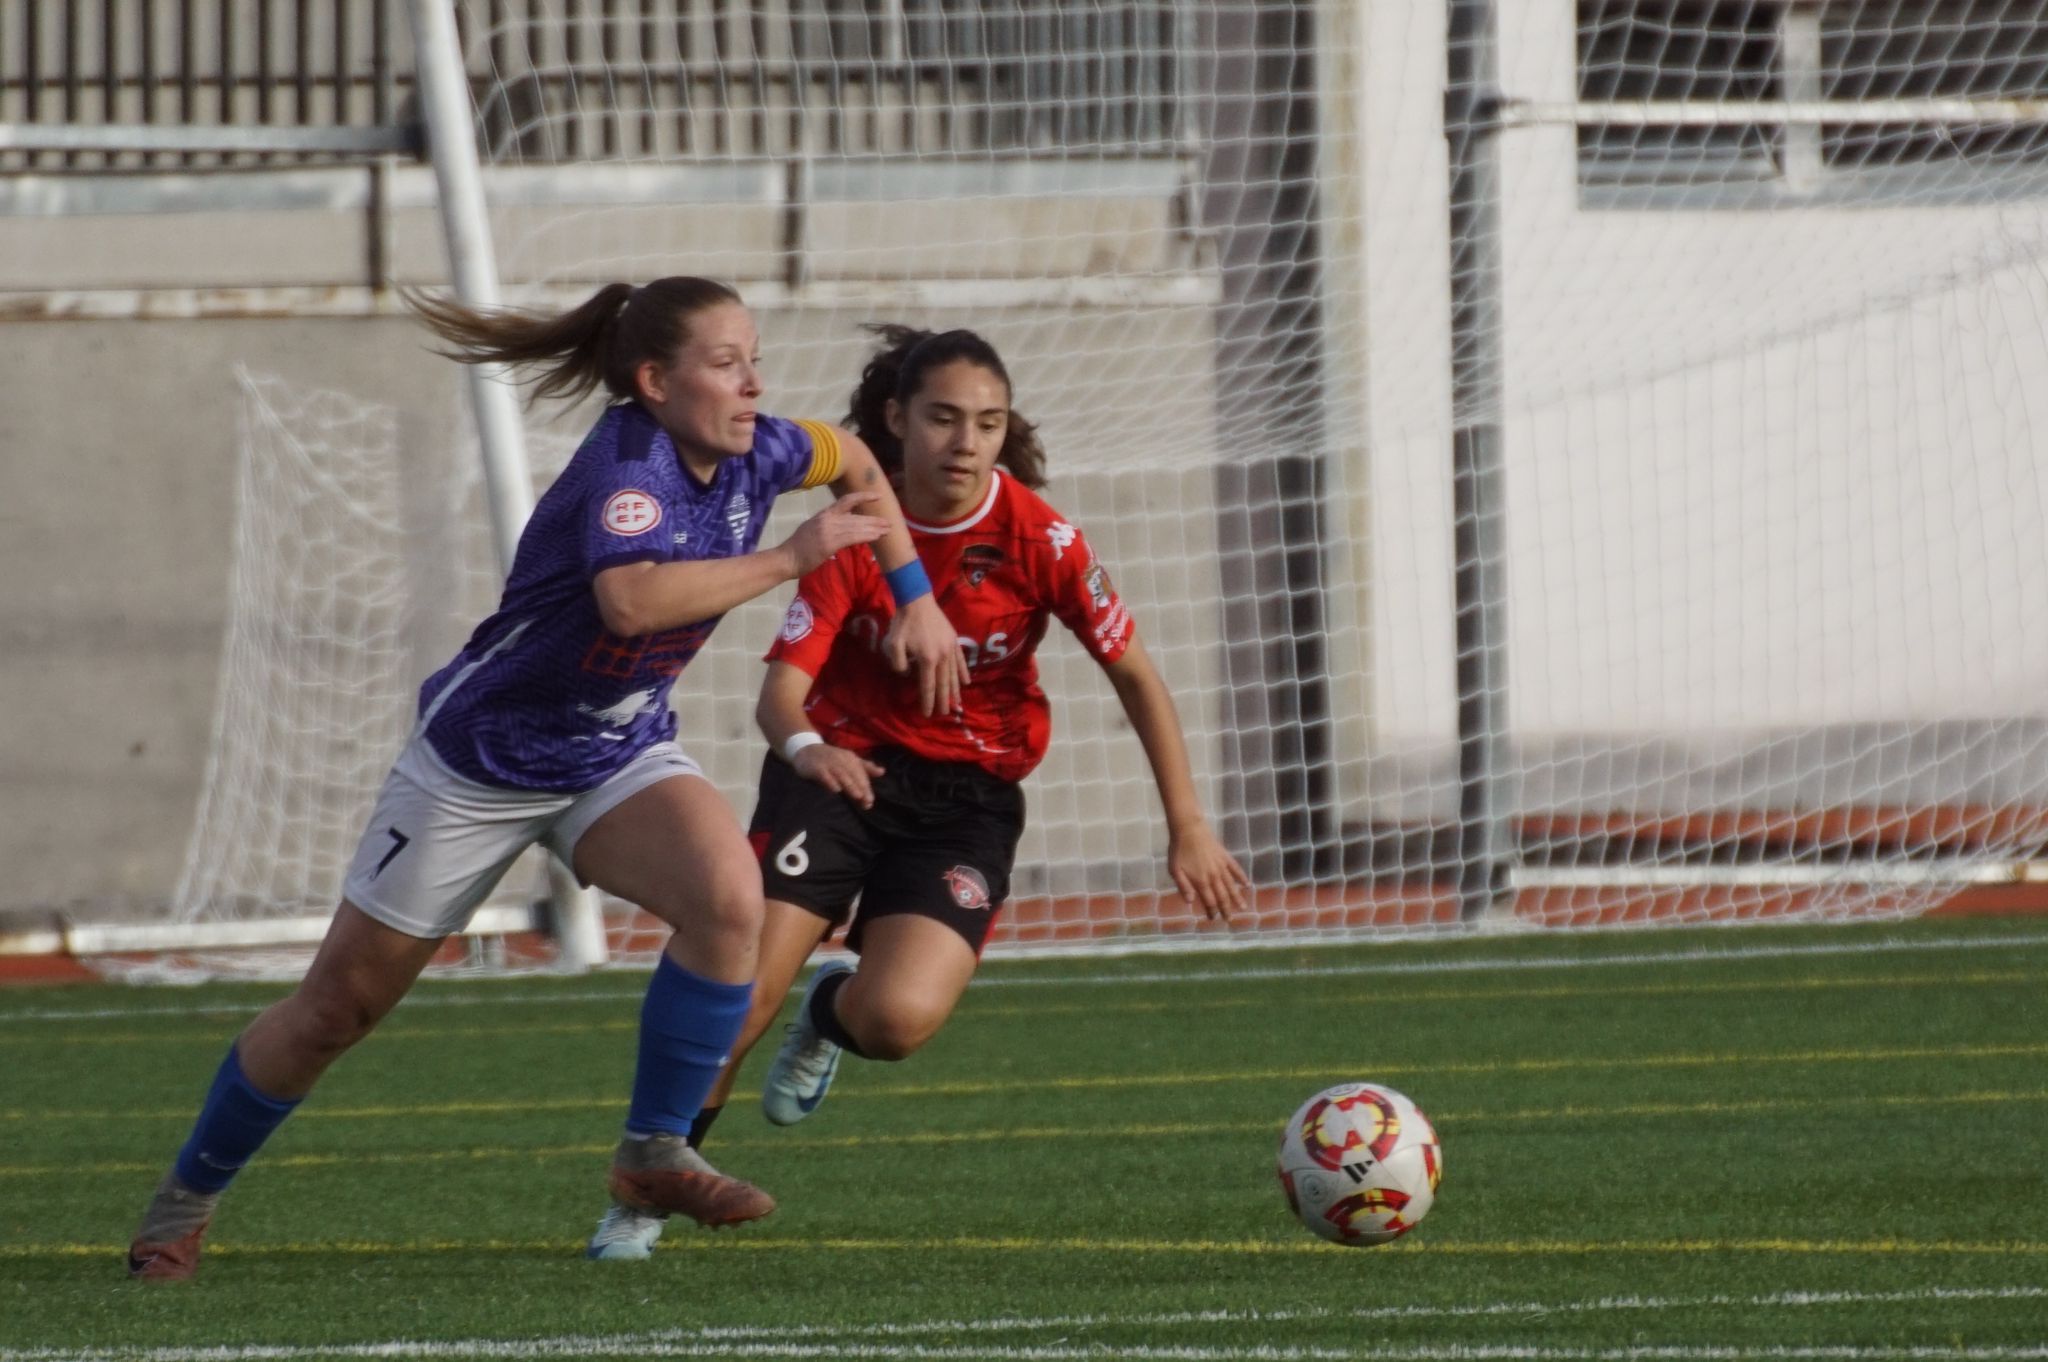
x: 802, y: 1072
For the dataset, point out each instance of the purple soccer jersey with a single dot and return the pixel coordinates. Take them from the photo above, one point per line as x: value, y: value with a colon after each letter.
x: 543, y: 696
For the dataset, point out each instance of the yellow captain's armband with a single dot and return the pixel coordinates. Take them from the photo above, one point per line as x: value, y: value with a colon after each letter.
x: 824, y: 453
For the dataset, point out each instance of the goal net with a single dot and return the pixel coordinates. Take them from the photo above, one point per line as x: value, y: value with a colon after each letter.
x: 1766, y: 318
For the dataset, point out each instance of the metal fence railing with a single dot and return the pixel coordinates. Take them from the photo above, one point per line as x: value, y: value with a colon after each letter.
x: 581, y: 79
x: 180, y: 84
x: 184, y: 84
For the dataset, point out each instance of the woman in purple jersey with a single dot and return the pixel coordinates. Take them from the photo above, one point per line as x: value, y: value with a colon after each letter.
x: 552, y: 725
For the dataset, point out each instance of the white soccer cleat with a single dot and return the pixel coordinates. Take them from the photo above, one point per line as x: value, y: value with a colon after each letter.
x: 624, y: 1236
x: 802, y: 1072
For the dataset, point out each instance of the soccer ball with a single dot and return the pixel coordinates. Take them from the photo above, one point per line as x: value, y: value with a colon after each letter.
x: 1360, y: 1164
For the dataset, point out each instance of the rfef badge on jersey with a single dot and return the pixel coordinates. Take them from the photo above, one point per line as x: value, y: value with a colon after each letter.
x: 631, y: 512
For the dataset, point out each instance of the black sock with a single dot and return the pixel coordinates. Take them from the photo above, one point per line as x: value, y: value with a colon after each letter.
x: 700, y: 1125
x: 826, y: 1020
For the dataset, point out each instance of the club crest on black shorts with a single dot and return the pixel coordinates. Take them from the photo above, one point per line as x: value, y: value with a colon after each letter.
x: 938, y: 842
x: 967, y: 887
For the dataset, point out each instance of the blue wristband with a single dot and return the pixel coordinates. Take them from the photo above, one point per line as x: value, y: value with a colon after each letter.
x: 908, y: 582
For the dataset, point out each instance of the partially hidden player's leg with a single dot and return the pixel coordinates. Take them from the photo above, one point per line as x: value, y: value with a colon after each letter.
x: 912, y: 972
x: 789, y: 934
x: 675, y: 849
x: 361, y: 971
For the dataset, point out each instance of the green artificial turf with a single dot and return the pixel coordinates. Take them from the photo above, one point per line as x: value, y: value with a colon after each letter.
x: 1822, y: 1142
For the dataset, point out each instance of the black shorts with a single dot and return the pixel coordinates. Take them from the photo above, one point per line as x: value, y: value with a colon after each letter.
x: 939, y: 842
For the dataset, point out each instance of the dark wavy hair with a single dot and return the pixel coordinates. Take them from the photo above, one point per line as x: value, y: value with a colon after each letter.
x: 599, y: 342
x: 898, y: 370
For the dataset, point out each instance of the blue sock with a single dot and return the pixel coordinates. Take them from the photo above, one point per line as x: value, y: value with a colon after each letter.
x: 687, y: 1027
x: 233, y: 1124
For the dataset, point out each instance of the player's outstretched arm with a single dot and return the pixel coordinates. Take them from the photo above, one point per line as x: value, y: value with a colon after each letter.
x: 920, y: 635
x: 647, y: 598
x: 780, y: 713
x: 1205, y: 872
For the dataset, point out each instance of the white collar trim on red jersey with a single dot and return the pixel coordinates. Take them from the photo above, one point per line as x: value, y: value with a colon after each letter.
x: 995, y: 489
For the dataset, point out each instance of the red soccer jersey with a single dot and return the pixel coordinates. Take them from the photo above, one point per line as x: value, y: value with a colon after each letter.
x: 999, y: 573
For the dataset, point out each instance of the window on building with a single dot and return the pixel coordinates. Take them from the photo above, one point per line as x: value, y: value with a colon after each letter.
x: 1916, y: 49
x: 1707, y: 52
x: 1672, y: 50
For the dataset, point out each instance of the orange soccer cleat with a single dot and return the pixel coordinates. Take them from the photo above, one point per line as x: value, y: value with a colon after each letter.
x: 664, y: 1176
x: 166, y: 1244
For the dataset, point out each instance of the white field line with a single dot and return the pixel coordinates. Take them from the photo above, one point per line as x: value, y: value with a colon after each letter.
x: 871, y: 1340
x: 1106, y: 1352
x: 430, y: 998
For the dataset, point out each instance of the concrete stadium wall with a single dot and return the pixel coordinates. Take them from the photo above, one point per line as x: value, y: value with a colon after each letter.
x: 118, y: 445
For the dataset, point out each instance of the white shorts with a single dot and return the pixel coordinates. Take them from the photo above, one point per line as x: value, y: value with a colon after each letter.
x: 437, y: 844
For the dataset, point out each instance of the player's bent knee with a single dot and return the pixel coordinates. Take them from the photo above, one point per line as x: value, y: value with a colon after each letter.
x: 894, y: 1035
x: 889, y: 1044
x: 723, y: 899
x: 733, y: 903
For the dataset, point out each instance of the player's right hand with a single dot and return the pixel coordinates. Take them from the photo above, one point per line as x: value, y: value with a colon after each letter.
x: 840, y: 771
x: 1207, y: 875
x: 840, y: 525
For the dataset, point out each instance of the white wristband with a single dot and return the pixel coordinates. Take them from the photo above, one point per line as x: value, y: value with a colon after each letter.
x: 797, y: 742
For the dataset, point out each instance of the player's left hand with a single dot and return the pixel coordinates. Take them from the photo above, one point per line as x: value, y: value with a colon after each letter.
x: 1208, y: 875
x: 922, y: 637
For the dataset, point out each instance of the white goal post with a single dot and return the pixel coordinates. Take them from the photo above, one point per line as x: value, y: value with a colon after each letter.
x: 501, y: 440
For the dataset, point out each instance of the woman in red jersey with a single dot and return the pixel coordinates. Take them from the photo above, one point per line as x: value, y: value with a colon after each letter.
x: 919, y: 816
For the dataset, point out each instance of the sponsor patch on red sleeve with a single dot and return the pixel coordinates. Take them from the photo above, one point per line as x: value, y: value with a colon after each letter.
x: 631, y: 512
x: 797, y: 622
x: 1114, y: 629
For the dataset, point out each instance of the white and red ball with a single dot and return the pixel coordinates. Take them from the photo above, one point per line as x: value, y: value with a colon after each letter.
x: 1360, y: 1164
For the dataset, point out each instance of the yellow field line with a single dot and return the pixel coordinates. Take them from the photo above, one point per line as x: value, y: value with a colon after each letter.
x: 1477, y: 1067
x: 747, y: 1242
x: 1450, y: 1121
x: 495, y: 1107
x: 1322, y: 1072
x: 215, y: 1032
x: 210, y: 1029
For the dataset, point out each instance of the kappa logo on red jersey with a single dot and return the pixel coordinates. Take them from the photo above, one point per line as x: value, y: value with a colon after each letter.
x: 631, y: 512
x: 1061, y: 534
x: 797, y: 622
x: 967, y: 887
